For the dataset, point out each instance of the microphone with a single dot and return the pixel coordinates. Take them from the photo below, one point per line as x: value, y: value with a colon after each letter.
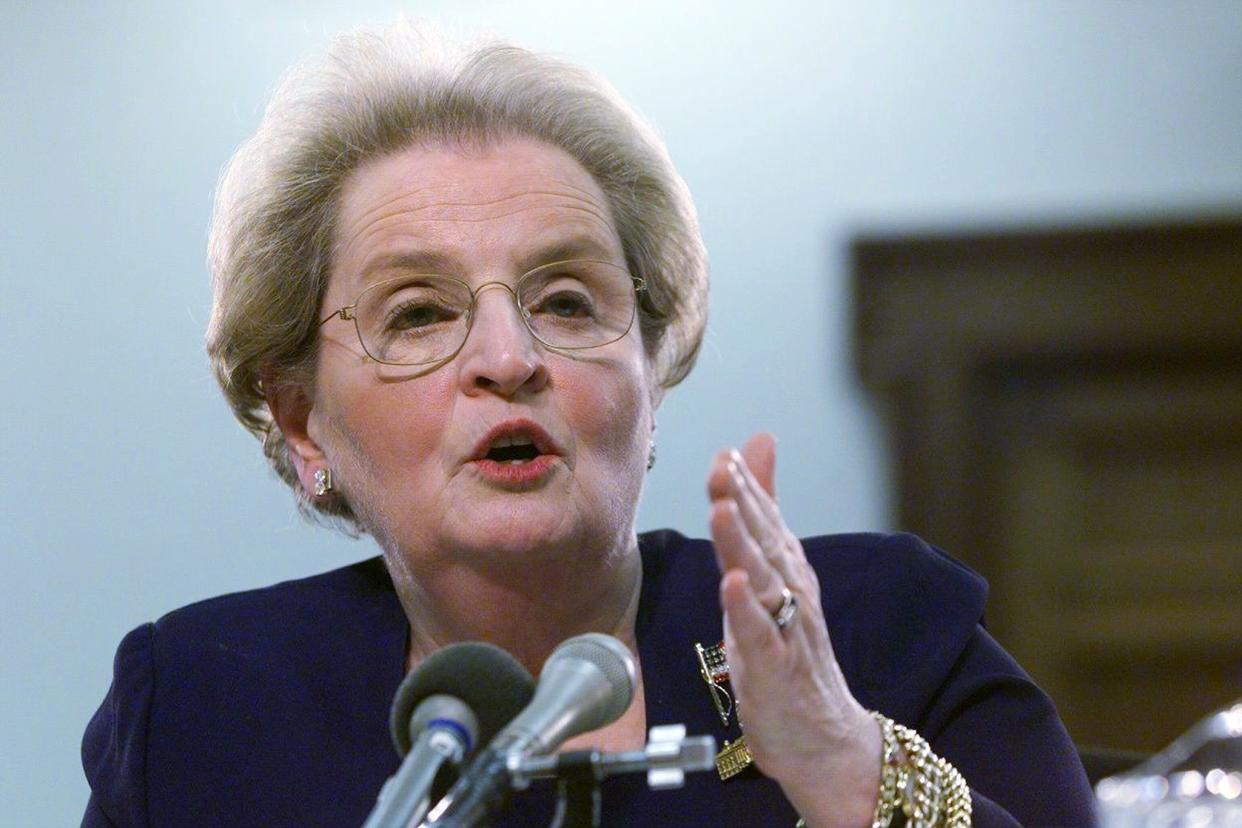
x: 586, y: 683
x: 458, y: 697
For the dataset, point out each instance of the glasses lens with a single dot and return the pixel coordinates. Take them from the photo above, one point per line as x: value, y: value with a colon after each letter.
x: 413, y: 320
x: 577, y: 304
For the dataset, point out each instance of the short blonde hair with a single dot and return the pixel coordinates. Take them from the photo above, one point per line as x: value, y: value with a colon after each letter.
x: 375, y: 92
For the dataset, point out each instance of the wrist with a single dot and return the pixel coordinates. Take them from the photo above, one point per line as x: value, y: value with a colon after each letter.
x: 907, y: 784
x: 839, y: 790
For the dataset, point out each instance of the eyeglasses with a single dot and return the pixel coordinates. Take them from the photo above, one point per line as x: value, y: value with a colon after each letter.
x: 421, y: 319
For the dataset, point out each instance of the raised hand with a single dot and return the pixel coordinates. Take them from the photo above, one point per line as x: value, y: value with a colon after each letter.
x: 803, y: 726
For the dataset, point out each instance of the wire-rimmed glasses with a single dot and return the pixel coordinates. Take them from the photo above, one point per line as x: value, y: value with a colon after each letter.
x: 424, y: 318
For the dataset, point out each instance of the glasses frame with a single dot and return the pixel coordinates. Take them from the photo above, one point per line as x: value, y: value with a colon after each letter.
x: 347, y: 312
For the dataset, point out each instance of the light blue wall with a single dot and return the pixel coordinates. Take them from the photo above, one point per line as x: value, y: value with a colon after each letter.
x: 126, y: 488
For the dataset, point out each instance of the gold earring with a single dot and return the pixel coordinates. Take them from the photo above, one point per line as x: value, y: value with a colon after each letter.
x: 323, y: 481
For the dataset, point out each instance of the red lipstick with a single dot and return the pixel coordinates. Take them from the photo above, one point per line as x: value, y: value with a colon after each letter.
x: 516, y: 454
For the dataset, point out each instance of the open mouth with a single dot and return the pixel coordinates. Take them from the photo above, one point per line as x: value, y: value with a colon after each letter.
x: 517, y: 442
x: 514, y: 451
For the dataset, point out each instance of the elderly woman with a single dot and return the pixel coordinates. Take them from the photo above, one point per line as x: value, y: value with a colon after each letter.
x: 451, y: 288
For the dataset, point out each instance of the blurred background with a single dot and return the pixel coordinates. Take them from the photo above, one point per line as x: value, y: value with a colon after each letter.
x: 975, y: 264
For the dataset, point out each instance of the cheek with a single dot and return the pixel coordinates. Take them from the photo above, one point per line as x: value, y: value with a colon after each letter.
x: 383, y: 430
x: 610, y: 413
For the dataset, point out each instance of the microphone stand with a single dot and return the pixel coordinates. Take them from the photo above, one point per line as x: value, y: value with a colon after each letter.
x: 577, y: 786
x: 668, y: 755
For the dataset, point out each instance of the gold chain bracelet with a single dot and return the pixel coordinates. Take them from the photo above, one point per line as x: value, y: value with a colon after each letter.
x: 927, y: 788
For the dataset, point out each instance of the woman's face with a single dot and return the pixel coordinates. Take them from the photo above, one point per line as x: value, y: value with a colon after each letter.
x: 409, y: 450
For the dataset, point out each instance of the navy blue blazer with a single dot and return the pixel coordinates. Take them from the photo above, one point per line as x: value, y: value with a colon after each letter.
x: 269, y: 707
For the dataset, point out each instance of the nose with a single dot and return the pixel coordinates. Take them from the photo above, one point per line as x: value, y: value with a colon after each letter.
x: 500, y: 356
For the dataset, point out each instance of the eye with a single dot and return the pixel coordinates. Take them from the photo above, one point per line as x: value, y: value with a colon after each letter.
x: 562, y: 293
x: 417, y: 314
x: 565, y: 303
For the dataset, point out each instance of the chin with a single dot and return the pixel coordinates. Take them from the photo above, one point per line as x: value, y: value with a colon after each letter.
x: 521, y: 530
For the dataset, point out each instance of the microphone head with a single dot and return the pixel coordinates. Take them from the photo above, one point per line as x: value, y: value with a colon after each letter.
x: 587, y: 682
x: 613, y: 661
x: 487, y: 679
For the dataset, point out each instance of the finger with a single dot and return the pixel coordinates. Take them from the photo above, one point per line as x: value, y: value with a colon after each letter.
x: 759, y: 513
x: 737, y: 549
x: 730, y: 479
x: 765, y: 523
x: 760, y: 455
x: 765, y: 503
x: 718, y: 478
x: 780, y: 547
x: 748, y: 627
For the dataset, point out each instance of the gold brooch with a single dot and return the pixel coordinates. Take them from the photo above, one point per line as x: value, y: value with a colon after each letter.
x: 734, y: 757
x: 714, y: 668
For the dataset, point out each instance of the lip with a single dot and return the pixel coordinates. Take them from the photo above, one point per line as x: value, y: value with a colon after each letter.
x: 522, y: 476
x: 543, y: 441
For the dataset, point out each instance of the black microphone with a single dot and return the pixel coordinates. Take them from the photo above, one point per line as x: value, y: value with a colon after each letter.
x: 458, y: 697
x: 586, y: 683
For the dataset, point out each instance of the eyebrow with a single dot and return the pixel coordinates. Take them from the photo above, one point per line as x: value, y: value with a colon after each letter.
x: 427, y: 261
x: 577, y: 247
x: 416, y: 261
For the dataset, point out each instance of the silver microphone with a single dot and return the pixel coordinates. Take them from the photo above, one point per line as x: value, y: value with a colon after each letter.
x: 458, y: 697
x: 586, y: 683
x: 444, y: 731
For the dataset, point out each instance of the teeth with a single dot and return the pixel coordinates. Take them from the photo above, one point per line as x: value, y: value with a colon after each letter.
x: 505, y: 442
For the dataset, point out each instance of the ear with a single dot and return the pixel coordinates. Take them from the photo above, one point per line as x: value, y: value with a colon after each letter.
x: 291, y: 408
x: 656, y: 395
x: 655, y: 391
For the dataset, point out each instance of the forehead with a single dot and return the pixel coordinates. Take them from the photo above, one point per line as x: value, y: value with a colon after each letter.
x: 471, y: 209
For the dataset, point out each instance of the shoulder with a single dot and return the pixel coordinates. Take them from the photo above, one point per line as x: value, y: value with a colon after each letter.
x: 300, y: 643
x: 287, y: 631
x: 254, y: 630
x: 220, y: 692
x: 903, y: 560
x: 901, y: 613
x: 365, y: 582
x: 114, y: 745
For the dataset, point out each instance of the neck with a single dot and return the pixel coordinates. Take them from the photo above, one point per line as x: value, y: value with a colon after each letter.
x: 525, y: 609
